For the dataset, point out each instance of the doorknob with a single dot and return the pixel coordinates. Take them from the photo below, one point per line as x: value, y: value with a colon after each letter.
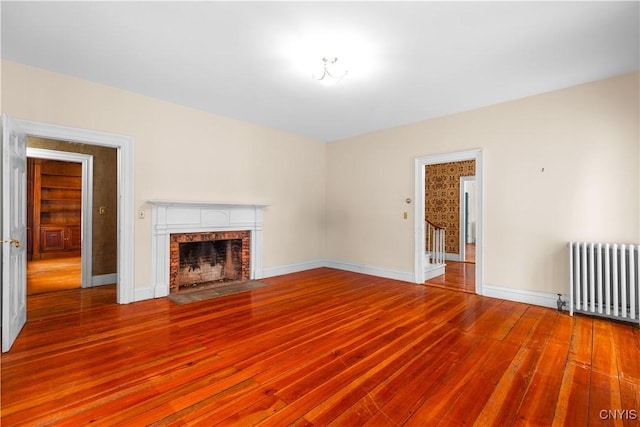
x: 16, y: 242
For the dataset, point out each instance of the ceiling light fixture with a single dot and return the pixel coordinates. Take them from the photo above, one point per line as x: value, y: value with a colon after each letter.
x: 331, y: 73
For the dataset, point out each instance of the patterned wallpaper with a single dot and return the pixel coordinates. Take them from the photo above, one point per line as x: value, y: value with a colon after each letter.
x: 442, y: 198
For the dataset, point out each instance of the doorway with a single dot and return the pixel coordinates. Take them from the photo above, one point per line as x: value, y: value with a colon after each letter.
x: 471, y: 271
x: 125, y: 211
x: 59, y: 217
x: 98, y: 214
x: 15, y: 132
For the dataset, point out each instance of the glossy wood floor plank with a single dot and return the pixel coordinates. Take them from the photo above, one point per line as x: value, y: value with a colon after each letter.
x: 544, y: 387
x: 459, y: 276
x: 507, y: 396
x: 321, y: 347
x: 573, y: 402
x: 54, y: 274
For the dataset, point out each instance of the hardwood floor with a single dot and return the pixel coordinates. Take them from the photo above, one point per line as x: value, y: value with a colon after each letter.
x: 55, y: 274
x: 470, y: 252
x: 321, y: 347
x: 458, y: 276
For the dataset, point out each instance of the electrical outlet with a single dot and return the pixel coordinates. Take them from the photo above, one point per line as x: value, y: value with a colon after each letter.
x: 141, y: 214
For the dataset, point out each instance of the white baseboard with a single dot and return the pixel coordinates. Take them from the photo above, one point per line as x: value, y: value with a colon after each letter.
x: 448, y: 256
x: 148, y: 292
x: 104, y: 279
x: 292, y: 268
x: 433, y: 270
x: 143, y: 294
x: 543, y: 299
x: 340, y: 265
x: 451, y: 257
x: 405, y: 276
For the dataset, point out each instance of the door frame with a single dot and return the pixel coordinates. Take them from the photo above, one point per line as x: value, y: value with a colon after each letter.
x: 125, y: 234
x: 463, y: 223
x: 419, y: 226
x: 86, y: 218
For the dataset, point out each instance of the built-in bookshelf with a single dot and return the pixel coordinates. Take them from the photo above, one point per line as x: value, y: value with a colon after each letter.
x: 57, y: 208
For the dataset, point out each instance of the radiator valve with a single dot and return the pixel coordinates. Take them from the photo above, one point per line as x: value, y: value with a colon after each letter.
x: 560, y: 303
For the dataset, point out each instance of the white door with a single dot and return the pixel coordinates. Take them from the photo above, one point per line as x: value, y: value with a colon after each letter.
x: 14, y: 232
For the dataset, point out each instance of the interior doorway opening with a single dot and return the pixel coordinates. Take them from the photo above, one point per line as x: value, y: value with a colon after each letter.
x: 14, y: 195
x: 15, y: 133
x: 14, y: 265
x: 471, y: 271
x: 59, y: 218
x: 71, y: 221
x: 119, y: 205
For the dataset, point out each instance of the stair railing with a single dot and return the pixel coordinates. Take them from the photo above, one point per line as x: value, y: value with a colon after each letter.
x: 435, y: 242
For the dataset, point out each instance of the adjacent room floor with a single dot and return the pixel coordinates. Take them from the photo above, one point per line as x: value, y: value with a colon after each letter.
x: 55, y: 274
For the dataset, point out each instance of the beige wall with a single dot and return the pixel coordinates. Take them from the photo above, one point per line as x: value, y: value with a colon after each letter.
x: 186, y: 154
x: 586, y: 138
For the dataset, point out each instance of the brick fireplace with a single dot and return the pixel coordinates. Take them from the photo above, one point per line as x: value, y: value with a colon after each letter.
x: 220, y: 243
x: 208, y: 259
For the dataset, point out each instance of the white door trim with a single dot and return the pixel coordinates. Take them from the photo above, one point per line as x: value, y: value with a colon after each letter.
x: 419, y: 241
x: 86, y: 160
x: 124, y: 146
x: 462, y: 227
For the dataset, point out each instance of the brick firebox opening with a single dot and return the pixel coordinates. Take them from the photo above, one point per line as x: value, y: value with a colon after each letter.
x: 208, y: 259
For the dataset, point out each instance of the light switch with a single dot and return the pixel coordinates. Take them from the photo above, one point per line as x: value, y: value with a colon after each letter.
x: 102, y: 210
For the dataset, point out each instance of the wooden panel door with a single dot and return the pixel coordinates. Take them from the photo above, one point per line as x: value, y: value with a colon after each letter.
x: 14, y: 232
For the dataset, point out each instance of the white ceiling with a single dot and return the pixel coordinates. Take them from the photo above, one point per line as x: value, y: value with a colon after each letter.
x: 407, y: 61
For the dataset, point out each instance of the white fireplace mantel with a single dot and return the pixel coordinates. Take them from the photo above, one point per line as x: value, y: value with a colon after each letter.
x: 169, y: 217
